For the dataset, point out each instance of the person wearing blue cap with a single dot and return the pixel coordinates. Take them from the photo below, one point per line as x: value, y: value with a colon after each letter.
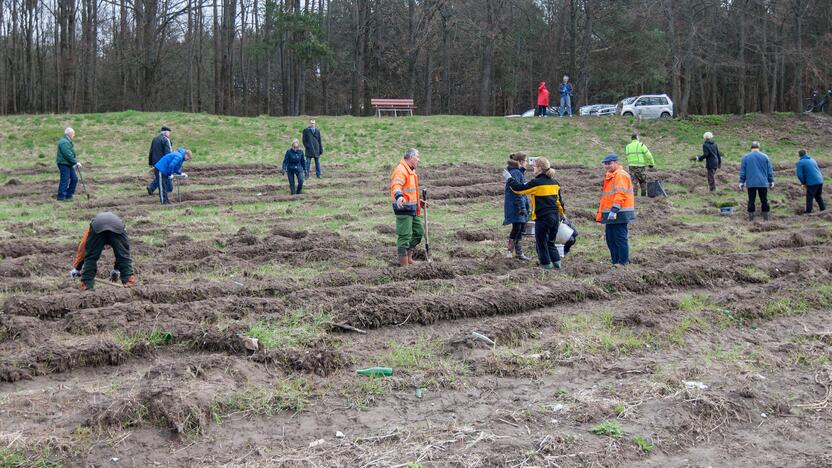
x: 159, y: 147
x: 617, y: 209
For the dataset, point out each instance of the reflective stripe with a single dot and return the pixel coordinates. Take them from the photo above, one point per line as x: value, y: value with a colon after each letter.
x: 409, y: 190
x: 607, y: 193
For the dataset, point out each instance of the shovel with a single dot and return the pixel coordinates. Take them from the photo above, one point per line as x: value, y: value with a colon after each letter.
x: 83, y: 184
x: 427, y: 243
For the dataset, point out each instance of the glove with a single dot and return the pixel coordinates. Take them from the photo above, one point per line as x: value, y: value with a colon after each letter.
x: 612, y: 216
x: 771, y: 185
x: 115, y: 275
x: 400, y: 202
x: 73, y: 273
x: 78, y: 165
x: 183, y: 175
x: 282, y: 172
x: 742, y: 185
x: 506, y: 175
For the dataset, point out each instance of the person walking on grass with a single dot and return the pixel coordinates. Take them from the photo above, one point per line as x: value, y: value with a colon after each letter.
x: 159, y: 147
x: 565, y: 91
x: 639, y: 159
x: 516, y: 208
x: 167, y: 167
x: 67, y: 164
x: 542, y: 100
x: 712, y: 157
x: 809, y: 175
x: 757, y: 175
x: 407, y: 206
x: 104, y: 229
x: 547, y: 210
x: 617, y: 209
x: 293, y: 165
x: 314, y: 148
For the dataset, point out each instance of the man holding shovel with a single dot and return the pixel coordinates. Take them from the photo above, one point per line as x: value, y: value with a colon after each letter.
x: 105, y: 229
x: 67, y: 163
x: 404, y: 192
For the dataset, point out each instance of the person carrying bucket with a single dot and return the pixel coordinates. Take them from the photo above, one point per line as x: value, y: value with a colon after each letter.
x: 547, y: 210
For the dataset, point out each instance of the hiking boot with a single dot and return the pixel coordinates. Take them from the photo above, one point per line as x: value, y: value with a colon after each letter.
x: 84, y: 287
x: 518, y: 252
x: 510, y: 248
x: 751, y: 216
x: 765, y: 216
x: 130, y: 282
x: 149, y: 191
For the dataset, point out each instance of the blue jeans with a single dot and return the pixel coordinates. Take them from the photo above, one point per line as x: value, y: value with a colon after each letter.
x: 69, y: 179
x: 165, y: 183
x: 545, y: 231
x: 618, y: 243
x: 317, y: 165
x: 293, y: 174
x: 566, y: 104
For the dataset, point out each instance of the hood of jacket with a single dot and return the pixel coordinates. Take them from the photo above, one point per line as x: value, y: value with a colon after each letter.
x: 512, y: 164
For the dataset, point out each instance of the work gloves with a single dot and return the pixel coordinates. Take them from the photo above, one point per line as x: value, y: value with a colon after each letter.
x: 400, y: 203
x: 742, y: 185
x: 115, y: 275
x: 612, y: 216
x: 771, y: 185
x: 77, y: 165
x: 183, y: 175
x: 74, y: 273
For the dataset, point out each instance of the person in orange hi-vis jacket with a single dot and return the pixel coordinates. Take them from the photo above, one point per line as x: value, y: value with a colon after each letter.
x: 404, y: 193
x: 617, y: 209
x: 105, y: 229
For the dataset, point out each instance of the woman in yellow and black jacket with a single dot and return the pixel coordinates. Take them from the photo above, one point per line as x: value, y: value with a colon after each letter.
x: 547, y: 210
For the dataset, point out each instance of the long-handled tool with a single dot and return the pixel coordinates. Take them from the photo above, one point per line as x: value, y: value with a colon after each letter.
x: 427, y: 243
x: 83, y: 184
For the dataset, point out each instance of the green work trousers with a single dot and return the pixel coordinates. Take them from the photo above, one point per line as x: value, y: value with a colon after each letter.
x: 409, y: 232
x: 95, y: 244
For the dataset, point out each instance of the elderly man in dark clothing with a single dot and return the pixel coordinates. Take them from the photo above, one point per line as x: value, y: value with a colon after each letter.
x: 314, y: 148
x: 105, y: 229
x: 713, y: 160
x: 158, y: 149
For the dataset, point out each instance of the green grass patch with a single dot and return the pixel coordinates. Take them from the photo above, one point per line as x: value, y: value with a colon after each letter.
x: 608, y: 428
x: 153, y: 337
x: 291, y: 395
x: 643, y: 444
x: 296, y: 329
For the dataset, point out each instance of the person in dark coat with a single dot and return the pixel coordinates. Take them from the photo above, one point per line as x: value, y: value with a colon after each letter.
x: 67, y: 163
x: 713, y: 160
x: 314, y: 148
x: 809, y: 175
x: 104, y: 229
x: 159, y: 147
x: 293, y: 165
x: 516, y: 208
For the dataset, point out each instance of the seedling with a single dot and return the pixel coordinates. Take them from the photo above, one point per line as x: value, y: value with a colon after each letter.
x: 609, y: 428
x: 643, y: 444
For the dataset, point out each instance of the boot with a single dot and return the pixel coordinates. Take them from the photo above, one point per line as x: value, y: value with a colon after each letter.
x: 403, y: 260
x: 129, y: 282
x: 84, y: 287
x: 518, y: 251
x: 510, y: 248
x: 765, y: 216
x: 751, y: 216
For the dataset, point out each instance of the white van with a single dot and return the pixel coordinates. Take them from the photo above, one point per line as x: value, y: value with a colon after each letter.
x: 649, y: 106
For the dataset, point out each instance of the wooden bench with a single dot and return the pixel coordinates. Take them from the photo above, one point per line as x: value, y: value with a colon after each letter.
x: 392, y: 105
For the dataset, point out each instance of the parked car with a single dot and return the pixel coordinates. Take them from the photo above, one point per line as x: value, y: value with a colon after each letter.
x: 649, y: 106
x: 593, y: 109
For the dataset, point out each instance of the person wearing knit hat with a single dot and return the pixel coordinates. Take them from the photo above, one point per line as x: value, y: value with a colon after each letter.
x: 159, y: 147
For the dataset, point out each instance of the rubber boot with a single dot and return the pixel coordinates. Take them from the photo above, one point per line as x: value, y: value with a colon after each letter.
x: 765, y: 216
x: 130, y: 282
x: 510, y: 248
x: 751, y: 216
x: 84, y: 287
x: 518, y: 251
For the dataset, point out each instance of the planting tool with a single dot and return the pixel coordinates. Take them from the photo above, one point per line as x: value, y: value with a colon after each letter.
x: 427, y: 241
x: 83, y: 184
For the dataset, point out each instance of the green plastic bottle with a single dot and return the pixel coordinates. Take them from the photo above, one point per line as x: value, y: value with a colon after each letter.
x: 376, y: 371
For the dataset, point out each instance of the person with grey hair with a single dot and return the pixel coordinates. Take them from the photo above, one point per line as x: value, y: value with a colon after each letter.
x: 757, y: 175
x: 712, y: 157
x: 67, y: 163
x: 407, y: 206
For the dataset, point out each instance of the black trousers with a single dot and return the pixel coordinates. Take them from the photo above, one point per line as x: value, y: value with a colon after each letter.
x: 541, y: 110
x: 752, y: 195
x: 711, y: 178
x: 516, y: 233
x: 814, y: 193
x: 95, y: 244
x: 545, y: 232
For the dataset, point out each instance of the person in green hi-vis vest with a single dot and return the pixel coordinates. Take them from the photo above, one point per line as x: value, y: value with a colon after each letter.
x: 639, y: 159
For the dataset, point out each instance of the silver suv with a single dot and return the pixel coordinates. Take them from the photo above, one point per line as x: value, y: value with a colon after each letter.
x: 649, y: 106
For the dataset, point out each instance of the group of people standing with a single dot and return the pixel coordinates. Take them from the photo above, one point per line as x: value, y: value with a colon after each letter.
x: 297, y: 164
x: 565, y: 92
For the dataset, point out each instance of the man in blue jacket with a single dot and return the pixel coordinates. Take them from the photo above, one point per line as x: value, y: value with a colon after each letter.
x: 757, y: 175
x: 169, y: 166
x: 565, y: 90
x: 159, y: 147
x: 808, y: 173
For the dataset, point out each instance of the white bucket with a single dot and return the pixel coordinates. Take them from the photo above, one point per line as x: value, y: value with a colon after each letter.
x: 560, y: 250
x: 564, y: 233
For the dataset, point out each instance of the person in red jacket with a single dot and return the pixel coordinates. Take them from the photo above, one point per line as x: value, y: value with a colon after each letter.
x: 542, y: 99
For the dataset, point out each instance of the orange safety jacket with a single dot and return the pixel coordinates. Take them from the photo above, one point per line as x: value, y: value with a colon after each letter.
x: 617, y: 196
x: 405, y: 183
x: 81, y: 252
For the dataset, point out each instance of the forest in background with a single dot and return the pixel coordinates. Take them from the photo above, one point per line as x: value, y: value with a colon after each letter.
x: 476, y: 57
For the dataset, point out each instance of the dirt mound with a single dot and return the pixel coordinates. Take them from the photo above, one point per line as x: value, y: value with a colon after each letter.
x: 322, y: 358
x: 22, y: 247
x: 794, y: 239
x: 242, y: 237
x: 385, y: 229
x: 13, y: 181
x: 288, y: 232
x: 476, y: 236
x: 50, y: 358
